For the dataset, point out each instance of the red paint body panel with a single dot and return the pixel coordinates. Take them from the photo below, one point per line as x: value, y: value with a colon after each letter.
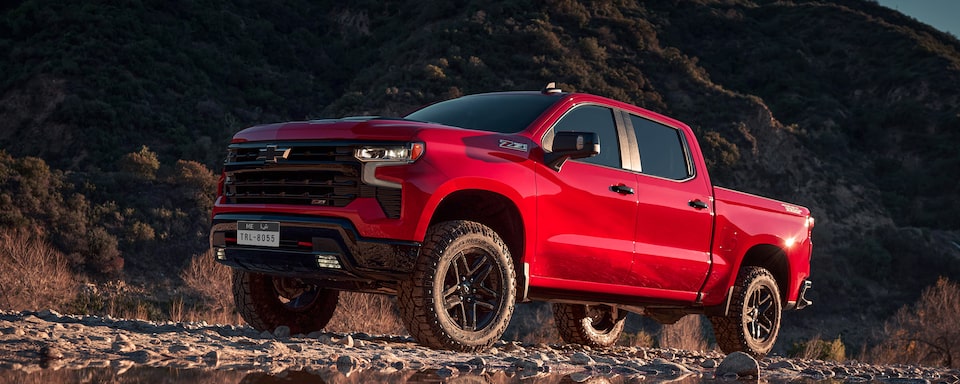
x: 745, y: 221
x: 578, y: 234
x: 584, y: 242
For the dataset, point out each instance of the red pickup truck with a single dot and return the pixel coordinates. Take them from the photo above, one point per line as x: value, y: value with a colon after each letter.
x: 465, y: 207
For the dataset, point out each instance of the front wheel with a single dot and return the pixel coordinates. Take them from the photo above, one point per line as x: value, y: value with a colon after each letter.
x: 461, y: 295
x: 597, y: 326
x: 267, y: 302
x: 753, y: 322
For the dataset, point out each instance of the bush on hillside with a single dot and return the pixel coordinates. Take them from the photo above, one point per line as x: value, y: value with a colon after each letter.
x: 141, y: 164
x: 926, y: 332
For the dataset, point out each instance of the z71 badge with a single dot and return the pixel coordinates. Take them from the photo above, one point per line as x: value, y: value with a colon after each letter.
x: 507, y: 144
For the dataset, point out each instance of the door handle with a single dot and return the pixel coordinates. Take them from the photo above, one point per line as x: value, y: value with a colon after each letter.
x: 621, y: 189
x: 697, y: 204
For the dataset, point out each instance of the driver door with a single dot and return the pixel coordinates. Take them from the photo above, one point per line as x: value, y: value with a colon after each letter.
x: 586, y: 212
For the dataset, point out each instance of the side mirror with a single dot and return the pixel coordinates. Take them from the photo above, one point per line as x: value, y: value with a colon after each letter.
x: 571, y: 145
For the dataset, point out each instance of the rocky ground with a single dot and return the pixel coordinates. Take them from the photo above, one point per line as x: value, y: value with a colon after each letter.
x: 48, y: 341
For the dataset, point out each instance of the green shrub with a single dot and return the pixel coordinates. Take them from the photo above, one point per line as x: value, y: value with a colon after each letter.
x: 142, y: 164
x: 816, y: 348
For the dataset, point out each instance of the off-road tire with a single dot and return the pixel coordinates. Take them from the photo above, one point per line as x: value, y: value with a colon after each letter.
x: 753, y: 321
x: 468, y: 315
x: 264, y: 308
x: 597, y: 326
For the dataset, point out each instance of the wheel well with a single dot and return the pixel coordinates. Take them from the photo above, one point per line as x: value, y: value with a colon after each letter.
x: 490, y: 209
x: 774, y: 260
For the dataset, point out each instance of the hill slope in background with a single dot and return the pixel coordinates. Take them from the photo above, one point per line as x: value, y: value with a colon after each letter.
x: 846, y: 107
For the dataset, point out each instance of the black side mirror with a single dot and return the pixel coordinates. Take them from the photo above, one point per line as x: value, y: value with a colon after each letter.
x: 571, y: 145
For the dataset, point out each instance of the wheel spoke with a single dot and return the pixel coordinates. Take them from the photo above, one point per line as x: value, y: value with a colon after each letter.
x: 462, y: 315
x: 764, y: 302
x: 450, y: 291
x: 488, y: 292
x: 457, y: 261
x: 764, y: 329
x: 452, y: 301
x: 766, y: 324
x: 486, y: 305
x: 762, y: 313
x: 482, y: 271
x: 472, y: 323
x: 766, y: 317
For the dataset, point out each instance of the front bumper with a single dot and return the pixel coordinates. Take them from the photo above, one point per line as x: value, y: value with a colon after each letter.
x: 313, y: 248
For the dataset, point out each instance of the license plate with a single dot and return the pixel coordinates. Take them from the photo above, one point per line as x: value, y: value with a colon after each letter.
x: 263, y: 234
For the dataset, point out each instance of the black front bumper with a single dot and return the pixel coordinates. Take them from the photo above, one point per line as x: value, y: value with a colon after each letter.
x: 313, y: 248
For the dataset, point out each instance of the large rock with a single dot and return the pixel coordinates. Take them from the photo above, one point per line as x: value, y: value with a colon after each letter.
x: 740, y: 364
x: 581, y: 358
x: 660, y: 365
x: 282, y: 332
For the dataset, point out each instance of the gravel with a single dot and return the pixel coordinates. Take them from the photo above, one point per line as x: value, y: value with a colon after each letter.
x: 31, y: 341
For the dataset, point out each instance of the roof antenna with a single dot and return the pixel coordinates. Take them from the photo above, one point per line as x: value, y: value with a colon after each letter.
x: 550, y: 88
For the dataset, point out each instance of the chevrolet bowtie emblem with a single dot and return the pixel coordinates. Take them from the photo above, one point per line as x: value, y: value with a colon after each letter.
x: 271, y: 154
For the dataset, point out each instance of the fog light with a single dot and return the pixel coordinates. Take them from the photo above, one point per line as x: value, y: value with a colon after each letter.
x: 328, y: 261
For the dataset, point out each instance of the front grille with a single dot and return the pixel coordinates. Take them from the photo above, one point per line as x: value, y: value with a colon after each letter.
x: 300, y: 173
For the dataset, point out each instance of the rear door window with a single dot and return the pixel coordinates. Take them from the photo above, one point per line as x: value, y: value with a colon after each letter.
x: 663, y: 152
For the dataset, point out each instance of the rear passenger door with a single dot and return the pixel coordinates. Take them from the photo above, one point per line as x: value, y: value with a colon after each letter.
x: 674, y: 219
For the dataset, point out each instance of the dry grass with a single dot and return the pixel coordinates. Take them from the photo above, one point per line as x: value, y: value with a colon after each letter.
x: 640, y: 339
x: 127, y: 307
x: 685, y: 334
x: 369, y: 313
x: 117, y: 299
x: 819, y: 349
x: 210, y: 282
x: 533, y: 323
x: 542, y: 325
x: 34, y: 275
x: 176, y: 309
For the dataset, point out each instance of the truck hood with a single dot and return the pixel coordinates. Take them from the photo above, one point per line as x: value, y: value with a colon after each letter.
x: 365, y: 128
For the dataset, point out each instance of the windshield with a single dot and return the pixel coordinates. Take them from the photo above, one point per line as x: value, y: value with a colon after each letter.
x: 504, y: 113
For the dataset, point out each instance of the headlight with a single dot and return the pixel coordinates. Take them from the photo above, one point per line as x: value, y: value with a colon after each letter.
x: 390, y: 153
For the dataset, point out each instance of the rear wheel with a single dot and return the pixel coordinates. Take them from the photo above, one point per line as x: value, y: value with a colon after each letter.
x: 461, y: 295
x: 267, y: 302
x: 753, y: 322
x: 594, y: 325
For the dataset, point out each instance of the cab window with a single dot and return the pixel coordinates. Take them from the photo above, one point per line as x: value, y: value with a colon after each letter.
x: 599, y: 120
x: 662, y: 150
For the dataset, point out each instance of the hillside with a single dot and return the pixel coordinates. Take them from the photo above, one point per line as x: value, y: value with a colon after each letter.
x: 112, y: 117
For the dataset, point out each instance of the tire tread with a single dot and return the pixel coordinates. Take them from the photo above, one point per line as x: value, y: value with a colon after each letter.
x: 728, y: 329
x: 414, y: 296
x: 257, y: 302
